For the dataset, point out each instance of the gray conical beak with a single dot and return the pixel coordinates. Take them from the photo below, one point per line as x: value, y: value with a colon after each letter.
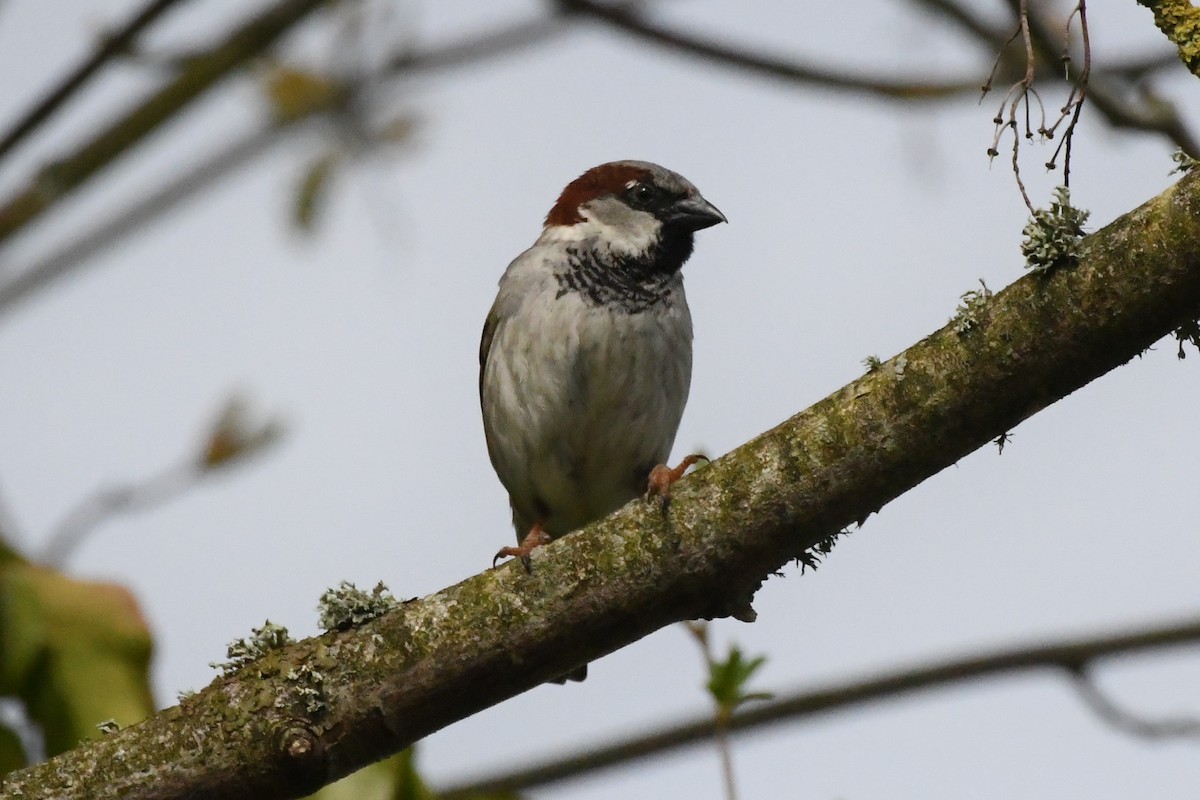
x: 694, y: 213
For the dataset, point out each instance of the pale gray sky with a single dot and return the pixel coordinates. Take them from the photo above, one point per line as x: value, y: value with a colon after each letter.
x: 854, y: 227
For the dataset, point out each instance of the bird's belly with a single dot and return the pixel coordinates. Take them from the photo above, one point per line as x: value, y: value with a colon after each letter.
x: 600, y: 463
x: 600, y: 406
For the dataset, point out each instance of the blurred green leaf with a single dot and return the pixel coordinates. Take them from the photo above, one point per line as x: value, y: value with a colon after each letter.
x: 727, y: 681
x: 234, y: 434
x: 294, y: 93
x: 398, y: 130
x: 311, y: 193
x: 74, y: 652
x: 393, y: 778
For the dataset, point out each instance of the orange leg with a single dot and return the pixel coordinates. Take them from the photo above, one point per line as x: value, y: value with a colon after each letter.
x: 535, y: 538
x: 663, y: 477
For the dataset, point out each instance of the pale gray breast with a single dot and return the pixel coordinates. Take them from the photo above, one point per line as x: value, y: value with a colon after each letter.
x: 627, y: 378
x: 580, y: 398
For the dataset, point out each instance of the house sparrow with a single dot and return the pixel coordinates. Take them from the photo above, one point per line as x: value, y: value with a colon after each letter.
x: 586, y: 355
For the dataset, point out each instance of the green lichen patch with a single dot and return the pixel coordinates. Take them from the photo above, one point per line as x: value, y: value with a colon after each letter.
x: 347, y: 606
x: 970, y: 312
x: 1054, y: 236
x: 1183, y: 162
x: 308, y: 684
x: 261, y: 641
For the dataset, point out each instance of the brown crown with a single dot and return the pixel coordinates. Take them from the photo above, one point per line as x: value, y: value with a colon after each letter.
x: 611, y: 178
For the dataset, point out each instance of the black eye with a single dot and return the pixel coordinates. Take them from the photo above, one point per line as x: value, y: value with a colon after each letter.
x: 641, y: 195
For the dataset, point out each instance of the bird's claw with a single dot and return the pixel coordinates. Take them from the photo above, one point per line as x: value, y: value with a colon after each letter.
x: 535, y: 538
x: 663, y: 477
x: 520, y: 552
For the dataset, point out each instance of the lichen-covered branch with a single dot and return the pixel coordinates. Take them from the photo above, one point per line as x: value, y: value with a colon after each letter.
x: 59, y: 179
x: 1179, y: 21
x: 313, y: 711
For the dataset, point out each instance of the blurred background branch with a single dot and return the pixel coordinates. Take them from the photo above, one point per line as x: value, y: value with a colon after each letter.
x: 745, y: 58
x: 1179, y: 727
x: 59, y: 179
x: 112, y: 45
x: 1072, y: 656
x: 1119, y: 91
x: 26, y: 281
x: 231, y: 438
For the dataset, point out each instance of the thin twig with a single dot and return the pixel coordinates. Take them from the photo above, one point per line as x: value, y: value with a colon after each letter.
x: 1071, y: 655
x: 1127, y: 722
x: 700, y: 631
x: 995, y: 38
x: 111, y: 46
x: 113, y: 501
x: 1110, y: 97
x: 637, y: 25
x: 994, y: 71
x: 1022, y: 94
x: 469, y: 50
x: 1075, y: 99
x: 231, y: 437
x: 725, y: 748
x: 69, y: 258
x: 966, y: 19
x: 57, y: 181
x: 1109, y: 87
x: 1109, y: 102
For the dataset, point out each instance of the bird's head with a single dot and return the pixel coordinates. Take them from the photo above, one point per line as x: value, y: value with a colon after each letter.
x: 634, y: 209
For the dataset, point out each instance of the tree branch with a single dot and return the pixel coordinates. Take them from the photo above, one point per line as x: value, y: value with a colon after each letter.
x: 1179, y: 21
x: 1071, y: 656
x: 231, y: 438
x: 60, y: 179
x: 27, y: 281
x: 461, y: 52
x: 111, y: 46
x: 1109, y: 97
x: 967, y: 19
x: 1154, y: 116
x: 1119, y: 718
x: 311, y: 712
x: 637, y: 25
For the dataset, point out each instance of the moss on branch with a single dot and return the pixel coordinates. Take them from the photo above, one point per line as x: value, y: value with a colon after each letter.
x: 1179, y: 21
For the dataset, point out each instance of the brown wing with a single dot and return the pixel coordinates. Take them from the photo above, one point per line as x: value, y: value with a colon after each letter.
x: 485, y: 345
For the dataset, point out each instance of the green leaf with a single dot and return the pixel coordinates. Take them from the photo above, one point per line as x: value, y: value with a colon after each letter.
x: 727, y: 680
x: 295, y: 93
x: 75, y: 653
x: 313, y: 188
x: 394, y: 778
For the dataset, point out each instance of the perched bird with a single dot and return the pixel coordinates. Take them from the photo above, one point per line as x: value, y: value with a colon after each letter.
x: 586, y: 355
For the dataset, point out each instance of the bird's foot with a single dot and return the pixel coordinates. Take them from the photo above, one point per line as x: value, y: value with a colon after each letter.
x: 535, y: 538
x: 663, y: 477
